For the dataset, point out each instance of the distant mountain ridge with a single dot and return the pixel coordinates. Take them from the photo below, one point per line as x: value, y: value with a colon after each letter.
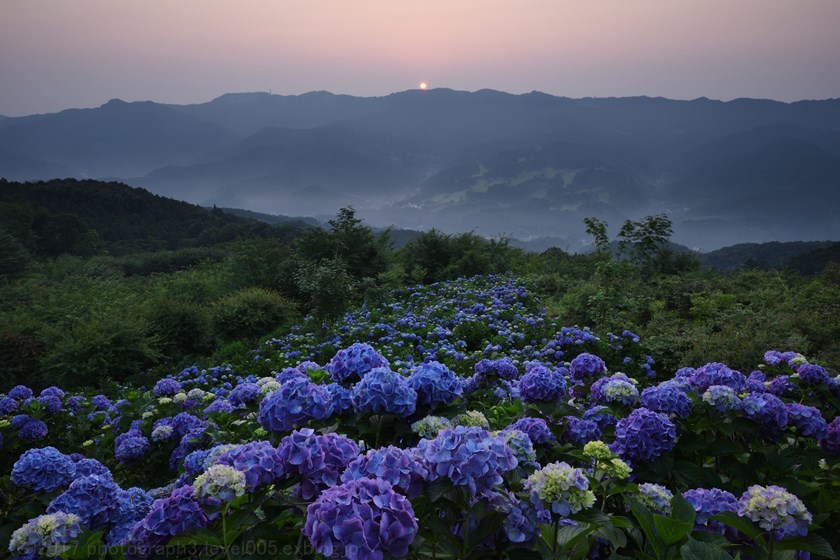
x: 529, y: 166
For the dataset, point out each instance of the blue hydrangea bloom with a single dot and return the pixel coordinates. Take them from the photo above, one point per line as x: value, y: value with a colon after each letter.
x: 667, y: 398
x: 812, y: 374
x: 768, y: 411
x: 541, y: 383
x: 775, y: 510
x: 318, y: 459
x: 354, y: 362
x: 101, y: 402
x: 51, y: 403
x: 587, y: 366
x: 179, y: 513
x: 560, y: 488
x: 53, y: 391
x: 715, y: 373
x: 20, y: 393
x: 166, y: 387
x: 341, y: 399
x: 644, y: 435
x: 92, y: 498
x: 8, y: 405
x: 90, y: 467
x: 655, y: 497
x: 503, y: 367
x: 131, y: 446
x: 258, y: 460
x: 616, y: 388
x: 399, y: 467
x: 601, y: 415
x: 244, y: 393
x: 782, y: 386
x: 773, y: 357
x: 535, y: 428
x: 469, y: 457
x: 33, y: 430
x: 831, y: 442
x: 382, y: 390
x: 721, y: 397
x: 45, y: 536
x: 807, y: 419
x: 435, y: 384
x: 45, y: 470
x: 221, y: 405
x: 581, y: 430
x: 755, y: 382
x: 362, y: 519
x: 132, y: 506
x: 290, y: 374
x: 293, y: 404
x: 708, y: 503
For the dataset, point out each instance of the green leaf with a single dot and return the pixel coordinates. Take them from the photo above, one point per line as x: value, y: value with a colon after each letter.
x: 439, y: 488
x: 203, y: 538
x: 489, y: 525
x: 682, y: 510
x: 696, y: 550
x: 814, y: 544
x: 671, y: 531
x: 645, y: 519
x: 744, y: 525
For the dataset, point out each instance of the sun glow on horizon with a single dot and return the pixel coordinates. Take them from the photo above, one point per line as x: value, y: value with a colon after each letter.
x: 423, y: 85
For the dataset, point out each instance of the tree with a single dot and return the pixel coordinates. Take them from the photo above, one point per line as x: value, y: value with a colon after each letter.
x: 645, y: 238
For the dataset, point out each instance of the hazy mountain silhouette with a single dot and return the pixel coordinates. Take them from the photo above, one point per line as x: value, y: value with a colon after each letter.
x: 531, y: 165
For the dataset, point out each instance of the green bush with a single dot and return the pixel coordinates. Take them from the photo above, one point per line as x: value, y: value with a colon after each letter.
x: 249, y: 313
x: 180, y: 328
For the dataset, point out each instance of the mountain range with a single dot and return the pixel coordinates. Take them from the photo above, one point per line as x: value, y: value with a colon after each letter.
x: 531, y: 166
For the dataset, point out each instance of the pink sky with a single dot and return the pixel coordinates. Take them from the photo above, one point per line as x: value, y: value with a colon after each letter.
x: 56, y: 54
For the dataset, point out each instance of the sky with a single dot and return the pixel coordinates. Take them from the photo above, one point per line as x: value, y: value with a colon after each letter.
x: 58, y: 54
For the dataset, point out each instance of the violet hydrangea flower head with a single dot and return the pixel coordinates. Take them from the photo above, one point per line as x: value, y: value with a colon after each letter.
x: 768, y: 411
x: 708, y: 503
x: 469, y: 457
x: 288, y: 374
x: 807, y: 419
x: 46, y: 536
x: 522, y: 447
x: 92, y: 498
x: 667, y: 398
x: 53, y: 391
x: 33, y: 430
x: 132, y: 505
x: 722, y: 398
x: 616, y: 388
x: 221, y: 482
x: 781, y: 386
x: 51, y: 403
x: 435, y: 384
x: 176, y: 514
x: 535, y: 428
x: 812, y: 374
x: 587, y: 366
x: 351, y: 364
x: 8, y: 405
x: 257, y: 460
x: 399, y: 467
x: 581, y: 430
x: 166, y: 387
x: 220, y: 405
x: 541, y: 383
x: 341, y: 399
x: 756, y: 382
x: 831, y: 442
x: 90, y: 467
x: 773, y: 357
x: 502, y: 367
x: 131, y: 446
x: 362, y: 519
x: 560, y: 488
x: 775, y: 510
x: 384, y: 391
x: 43, y: 470
x: 294, y: 404
x: 715, y: 373
x: 655, y: 497
x: 318, y: 459
x: 244, y: 393
x: 20, y: 393
x: 644, y: 435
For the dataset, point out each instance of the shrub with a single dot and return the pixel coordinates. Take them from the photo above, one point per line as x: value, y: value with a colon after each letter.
x: 249, y: 313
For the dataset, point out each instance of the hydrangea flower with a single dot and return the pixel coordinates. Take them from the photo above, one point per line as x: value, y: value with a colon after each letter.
x: 43, y: 470
x: 179, y: 513
x: 384, y: 391
x: 831, y: 442
x: 535, y: 428
x: 90, y: 467
x: 399, y: 467
x: 581, y: 430
x: 257, y: 460
x: 782, y: 386
x: 341, y: 399
x: 162, y: 432
x: 355, y: 362
x: 606, y: 461
x: 290, y: 374
x: 471, y: 418
x: 715, y: 373
x: 221, y: 482
x: 33, y: 430
x: 295, y: 403
x: 20, y: 393
x: 469, y: 457
x: 363, y: 519
x: 620, y: 389
x: 166, y: 387
x: 655, y: 497
x: 560, y: 488
x: 667, y: 398
x: 430, y: 426
x: 131, y: 446
x: 587, y: 366
x: 45, y: 536
x: 807, y: 419
x: 244, y: 393
x: 132, y: 506
x: 503, y: 367
x: 541, y: 383
x: 756, y: 382
x: 92, y: 498
x: 772, y: 357
x: 8, y: 405
x: 768, y: 411
x: 521, y: 445
x: 812, y: 374
x: 435, y: 384
x: 708, y: 503
x: 521, y: 520
x: 775, y: 510
x: 644, y: 435
x: 721, y: 397
x: 51, y: 403
x: 318, y: 459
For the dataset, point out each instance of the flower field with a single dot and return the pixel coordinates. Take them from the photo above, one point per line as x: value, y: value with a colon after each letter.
x: 455, y: 420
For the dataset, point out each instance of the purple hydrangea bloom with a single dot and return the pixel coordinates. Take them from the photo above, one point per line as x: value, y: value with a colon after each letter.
x: 616, y: 388
x: 19, y: 421
x: 258, y: 460
x: 581, y: 430
x: 131, y: 446
x: 45, y: 536
x: 219, y: 405
x: 755, y: 382
x: 723, y: 398
x: 768, y: 411
x: 33, y: 429
x: 644, y: 435
x: 831, y: 442
x: 435, y: 384
x: 184, y: 423
x: 132, y: 505
x: 587, y: 366
x: 92, y: 498
x: 53, y: 391
x: 601, y: 415
x: 293, y: 404
x: 341, y: 399
x: 773, y: 357
x: 8, y: 405
x: 812, y: 374
x: 382, y: 390
x: 807, y: 419
x: 166, y: 387
x: 318, y: 459
x: 535, y: 428
x: 194, y: 462
x: 91, y: 467
x: 290, y: 374
x: 45, y: 470
x: 503, y: 367
x: 541, y: 383
x: 192, y: 440
x: 51, y: 403
x: 708, y: 503
x: 20, y: 393
x: 399, y: 467
x: 354, y: 362
x: 244, y: 393
x: 782, y: 386
x: 469, y: 457
x: 363, y: 519
x: 775, y: 510
x: 179, y: 513
x: 715, y: 373
x: 101, y: 402
x: 655, y: 497
x: 667, y: 398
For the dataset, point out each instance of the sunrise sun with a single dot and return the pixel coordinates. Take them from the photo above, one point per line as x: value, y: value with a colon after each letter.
x: 423, y: 85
